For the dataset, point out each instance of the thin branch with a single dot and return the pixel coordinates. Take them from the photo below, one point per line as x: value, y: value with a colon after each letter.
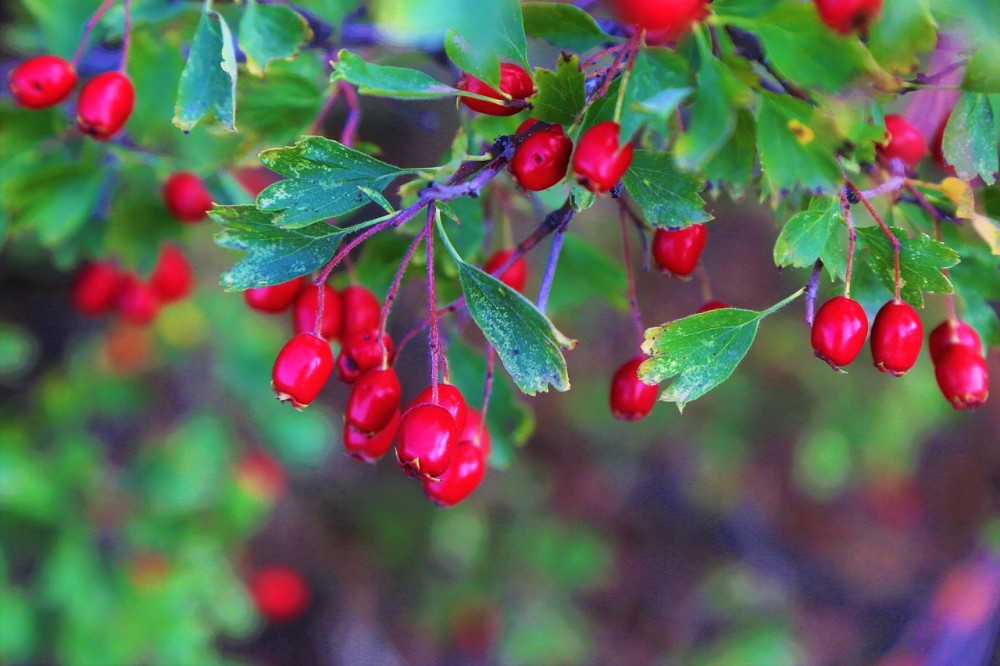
x: 89, y: 28
x: 886, y: 230
x: 433, y: 339
x: 633, y: 300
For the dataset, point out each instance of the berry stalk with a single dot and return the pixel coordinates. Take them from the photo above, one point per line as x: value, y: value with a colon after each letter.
x: 390, y: 295
x: 89, y: 28
x: 886, y: 230
x: 633, y: 300
x: 435, y: 342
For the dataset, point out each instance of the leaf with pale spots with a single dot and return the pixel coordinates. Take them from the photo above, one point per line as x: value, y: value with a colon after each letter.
x: 920, y: 262
x: 668, y: 196
x: 271, y: 32
x: 208, y: 82
x: 970, y: 138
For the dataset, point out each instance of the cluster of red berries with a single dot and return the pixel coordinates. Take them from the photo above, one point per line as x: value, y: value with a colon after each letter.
x: 959, y: 366
x: 103, y: 107
x: 100, y: 287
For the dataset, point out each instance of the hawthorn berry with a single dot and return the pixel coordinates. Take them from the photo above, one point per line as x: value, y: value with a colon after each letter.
x: 952, y: 332
x: 460, y: 479
x: 186, y: 197
x: 173, y: 277
x: 897, y: 334
x: 450, y: 398
x: 275, y: 298
x: 95, y: 288
x: 514, y: 81
x: 105, y: 104
x: 307, y: 305
x: 475, y: 431
x: 362, y: 352
x: 42, y: 81
x: 962, y: 376
x: 903, y: 140
x: 712, y: 305
x: 677, y: 251
x: 368, y: 447
x: 373, y: 400
x: 599, y: 161
x: 301, y: 369
x: 846, y: 16
x: 542, y: 159
x: 838, y: 331
x: 279, y: 593
x: 427, y: 441
x: 631, y: 398
x: 664, y: 20
x: 362, y: 311
x: 138, y: 302
x: 516, y: 275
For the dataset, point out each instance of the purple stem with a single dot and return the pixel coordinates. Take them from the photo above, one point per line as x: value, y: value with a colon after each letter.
x: 487, y: 387
x: 435, y: 343
x: 126, y: 33
x: 350, y: 130
x: 550, y: 269
x: 390, y: 295
x: 89, y: 28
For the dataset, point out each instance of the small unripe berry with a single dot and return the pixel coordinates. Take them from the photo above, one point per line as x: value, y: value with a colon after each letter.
x: 427, y: 441
x: 95, y: 288
x: 42, y: 81
x: 105, y: 104
x: 138, y: 302
x: 677, y: 251
x: 276, y: 298
x: 514, y: 81
x: 631, y: 398
x: 186, y: 197
x: 301, y: 369
x: 838, y: 331
x: 280, y: 593
x: 361, y: 309
x: 897, y: 334
x: 542, y: 159
x: 599, y: 161
x: 464, y: 474
x: 373, y: 400
x: 903, y: 140
x: 516, y: 275
x: 665, y: 20
x: 953, y: 332
x: 450, y: 398
x: 307, y: 305
x: 368, y: 447
x: 963, y: 377
x: 173, y: 277
x: 362, y: 352
x: 846, y: 16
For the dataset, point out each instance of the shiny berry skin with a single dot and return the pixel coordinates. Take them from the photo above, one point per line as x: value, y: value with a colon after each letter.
x: 41, y: 82
x: 599, y: 162
x: 373, y: 400
x: 138, y: 302
x: 953, y: 332
x: 361, y: 309
x: 307, y: 304
x: 903, y: 140
x: 897, y: 335
x: 362, y: 352
x: 516, y: 275
x: 666, y: 20
x: 276, y: 298
x: 463, y: 476
x: 427, y: 441
x: 963, y: 377
x: 514, y: 81
x: 450, y: 398
x: 173, y: 277
x: 631, y: 398
x: 280, y: 593
x: 370, y: 447
x: 95, y: 288
x: 186, y: 197
x: 301, y: 369
x: 677, y: 251
x: 846, y: 16
x: 712, y: 305
x: 838, y: 331
x: 475, y: 431
x: 542, y: 159
x: 104, y: 105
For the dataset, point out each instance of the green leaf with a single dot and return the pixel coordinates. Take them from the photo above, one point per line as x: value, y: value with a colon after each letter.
x: 70, y: 194
x: 970, y: 138
x: 271, y: 32
x: 386, y: 81
x: 903, y: 31
x: 920, y: 262
x: 564, y: 26
x: 661, y: 106
x: 668, y: 197
x: 560, y: 94
x: 732, y: 166
x: 797, y: 145
x: 59, y: 22
x: 807, y: 234
x: 208, y: 82
x: 323, y: 180
x: 713, y: 115
x: 977, y: 284
x: 982, y: 74
x: 595, y: 276
x: 275, y: 110
x: 480, y: 40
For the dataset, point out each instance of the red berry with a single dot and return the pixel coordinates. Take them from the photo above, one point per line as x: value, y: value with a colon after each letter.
x: 301, y: 369
x: 260, y: 475
x: 953, y: 332
x: 427, y: 441
x: 963, y: 377
x: 450, y: 398
x: 362, y: 311
x: 42, y: 81
x: 514, y: 81
x: 712, y: 305
x: 138, y: 302
x: 631, y: 398
x: 280, y: 593
x: 845, y: 16
x: 186, y: 197
x: 516, y: 276
x: 362, y: 352
x: 275, y: 298
x: 173, y: 278
x: 463, y: 476
x: 475, y: 431
x: 666, y: 20
x: 599, y: 162
x: 373, y: 400
x: 838, y: 331
x: 95, y: 288
x: 542, y: 159
x: 104, y: 105
x: 370, y: 447
x: 307, y: 305
x: 903, y: 140
x: 677, y: 251
x: 897, y: 334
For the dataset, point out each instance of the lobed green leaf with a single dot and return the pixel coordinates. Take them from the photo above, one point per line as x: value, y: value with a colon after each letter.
x: 920, y: 262
x: 560, y: 95
x: 208, y: 82
x: 271, y: 32
x: 806, y: 235
x: 668, y: 196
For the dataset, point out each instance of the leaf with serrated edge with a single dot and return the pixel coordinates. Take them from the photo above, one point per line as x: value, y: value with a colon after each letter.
x: 970, y: 138
x: 920, y: 262
x: 806, y: 234
x: 560, y: 93
x: 208, y: 82
x: 271, y: 32
x: 565, y: 26
x: 388, y: 81
x: 668, y: 196
x: 797, y: 145
x: 493, y: 33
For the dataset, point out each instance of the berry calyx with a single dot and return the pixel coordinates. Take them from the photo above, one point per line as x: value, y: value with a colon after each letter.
x: 368, y: 447
x: 952, y: 332
x: 42, y: 81
x: 105, y: 104
x: 373, y: 400
x: 450, y: 398
x: 280, y: 593
x: 186, y: 197
x: 138, y: 302
x: 897, y: 334
x: 599, y: 161
x: 903, y: 140
x: 516, y: 275
x: 963, y: 377
x: 514, y: 81
x: 95, y: 288
x: 173, y: 277
x: 712, y: 305
x: 361, y: 309
x: 463, y: 476
x: 427, y: 441
x: 276, y: 298
x: 846, y: 16
x: 475, y: 431
x: 301, y: 369
x: 631, y: 398
x: 677, y: 251
x: 362, y: 352
x: 664, y: 20
x: 838, y: 331
x: 307, y: 305
x: 542, y: 159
